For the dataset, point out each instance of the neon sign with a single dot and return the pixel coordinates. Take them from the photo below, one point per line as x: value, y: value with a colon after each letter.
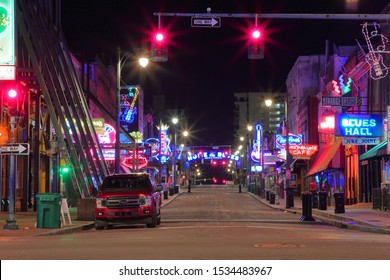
x: 129, y: 108
x: 345, y: 86
x: 7, y: 32
x: 292, y: 139
x: 302, y: 150
x: 359, y: 125
x: 108, y: 137
x: 212, y: 155
x: 256, y: 152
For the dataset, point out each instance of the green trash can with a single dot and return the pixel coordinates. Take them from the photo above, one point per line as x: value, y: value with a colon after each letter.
x: 48, y: 210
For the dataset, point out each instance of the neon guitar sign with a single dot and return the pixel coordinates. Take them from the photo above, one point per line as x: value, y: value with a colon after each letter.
x: 378, y: 69
x: 256, y: 149
x: 131, y: 110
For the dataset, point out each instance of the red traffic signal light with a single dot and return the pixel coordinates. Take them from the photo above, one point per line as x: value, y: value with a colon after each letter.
x: 255, y: 44
x: 12, y: 93
x: 159, y: 47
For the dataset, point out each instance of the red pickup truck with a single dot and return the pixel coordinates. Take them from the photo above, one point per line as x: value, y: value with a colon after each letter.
x: 128, y: 199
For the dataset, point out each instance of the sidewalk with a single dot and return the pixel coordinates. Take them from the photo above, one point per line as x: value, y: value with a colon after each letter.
x: 27, y: 221
x: 360, y: 216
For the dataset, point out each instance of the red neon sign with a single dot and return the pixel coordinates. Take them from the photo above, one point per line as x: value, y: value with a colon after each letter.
x: 303, y: 150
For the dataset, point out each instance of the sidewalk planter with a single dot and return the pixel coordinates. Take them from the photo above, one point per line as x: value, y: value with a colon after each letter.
x: 48, y: 210
x: 322, y: 201
x: 339, y: 203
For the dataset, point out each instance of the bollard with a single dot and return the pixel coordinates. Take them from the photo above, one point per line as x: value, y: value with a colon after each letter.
x: 306, y: 207
x: 322, y: 200
x: 272, y: 198
x: 289, y: 198
x: 165, y: 194
x: 239, y: 188
x: 189, y: 187
x: 339, y: 203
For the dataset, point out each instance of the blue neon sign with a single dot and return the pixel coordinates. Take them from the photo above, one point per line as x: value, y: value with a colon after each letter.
x: 359, y: 125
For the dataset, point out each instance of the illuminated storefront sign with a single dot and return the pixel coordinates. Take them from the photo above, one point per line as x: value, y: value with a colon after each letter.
x: 154, y: 146
x: 108, y: 137
x: 326, y: 124
x: 208, y: 155
x: 7, y: 72
x: 294, y: 139
x: 359, y: 125
x: 303, y: 150
x: 7, y: 32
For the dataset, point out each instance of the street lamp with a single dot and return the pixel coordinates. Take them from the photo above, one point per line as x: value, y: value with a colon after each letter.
x: 248, y: 152
x: 185, y: 134
x: 174, y: 121
x: 121, y: 59
x: 268, y: 103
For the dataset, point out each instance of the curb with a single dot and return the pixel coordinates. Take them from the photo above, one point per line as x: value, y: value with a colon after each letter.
x: 340, y: 222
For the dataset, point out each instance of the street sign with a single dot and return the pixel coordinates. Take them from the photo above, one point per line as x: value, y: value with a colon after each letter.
x: 340, y: 101
x: 361, y: 141
x: 206, y: 22
x: 20, y: 149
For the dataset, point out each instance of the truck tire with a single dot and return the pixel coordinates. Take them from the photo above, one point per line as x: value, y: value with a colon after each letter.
x: 99, y: 225
x: 153, y: 220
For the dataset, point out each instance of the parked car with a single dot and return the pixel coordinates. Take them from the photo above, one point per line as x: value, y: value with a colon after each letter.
x: 128, y: 199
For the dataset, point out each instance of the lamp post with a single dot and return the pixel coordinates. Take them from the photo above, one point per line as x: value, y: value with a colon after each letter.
x: 289, y: 202
x: 248, y: 154
x: 121, y: 59
x: 185, y: 134
x: 174, y: 121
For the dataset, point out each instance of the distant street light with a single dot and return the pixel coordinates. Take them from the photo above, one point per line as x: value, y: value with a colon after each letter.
x: 121, y: 59
x: 248, y: 162
x: 174, y: 121
x: 268, y: 103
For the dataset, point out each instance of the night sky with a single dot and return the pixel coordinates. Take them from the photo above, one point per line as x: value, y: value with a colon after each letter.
x: 207, y: 66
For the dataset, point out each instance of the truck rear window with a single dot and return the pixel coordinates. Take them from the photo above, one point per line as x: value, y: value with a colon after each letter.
x: 126, y: 183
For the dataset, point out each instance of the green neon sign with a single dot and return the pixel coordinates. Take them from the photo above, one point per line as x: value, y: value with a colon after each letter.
x: 7, y: 32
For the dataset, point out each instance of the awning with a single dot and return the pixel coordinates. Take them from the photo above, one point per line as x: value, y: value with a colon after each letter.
x: 378, y: 150
x: 325, y: 155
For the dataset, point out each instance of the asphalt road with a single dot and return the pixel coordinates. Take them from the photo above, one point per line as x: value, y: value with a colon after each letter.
x: 211, y: 222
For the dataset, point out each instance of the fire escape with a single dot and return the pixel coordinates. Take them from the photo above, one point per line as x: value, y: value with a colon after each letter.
x: 61, y: 112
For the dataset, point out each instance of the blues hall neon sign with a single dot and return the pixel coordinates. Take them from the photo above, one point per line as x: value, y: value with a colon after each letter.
x: 359, y: 125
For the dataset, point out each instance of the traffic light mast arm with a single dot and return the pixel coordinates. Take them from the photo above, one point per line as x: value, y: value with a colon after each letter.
x: 359, y: 17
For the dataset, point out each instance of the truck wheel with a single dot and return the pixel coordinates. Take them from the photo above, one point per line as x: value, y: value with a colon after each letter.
x: 153, y: 220
x: 99, y: 225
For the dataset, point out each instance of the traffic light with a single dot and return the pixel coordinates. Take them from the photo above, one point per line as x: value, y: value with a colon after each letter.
x: 255, y: 44
x: 10, y: 95
x: 159, y: 47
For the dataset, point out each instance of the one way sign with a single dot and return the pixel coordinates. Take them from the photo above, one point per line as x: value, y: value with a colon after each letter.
x: 205, y: 22
x: 15, y: 149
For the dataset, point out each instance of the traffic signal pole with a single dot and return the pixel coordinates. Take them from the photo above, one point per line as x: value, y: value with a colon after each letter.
x: 360, y: 17
x: 11, y: 221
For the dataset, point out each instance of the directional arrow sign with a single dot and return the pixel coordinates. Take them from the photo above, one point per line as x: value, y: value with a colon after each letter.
x: 205, y: 22
x: 15, y: 149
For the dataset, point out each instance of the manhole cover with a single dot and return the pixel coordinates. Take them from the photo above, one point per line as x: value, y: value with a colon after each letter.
x: 278, y: 245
